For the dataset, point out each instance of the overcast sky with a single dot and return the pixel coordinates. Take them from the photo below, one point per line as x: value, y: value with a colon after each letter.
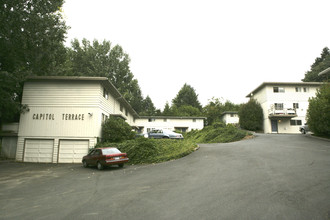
x: 223, y: 49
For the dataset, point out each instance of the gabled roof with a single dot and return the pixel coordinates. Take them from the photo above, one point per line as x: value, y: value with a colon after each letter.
x: 102, y: 80
x: 324, y: 71
x: 229, y: 112
x: 283, y: 84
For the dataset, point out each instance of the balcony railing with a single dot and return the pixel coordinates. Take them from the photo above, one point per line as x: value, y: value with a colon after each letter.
x: 282, y: 113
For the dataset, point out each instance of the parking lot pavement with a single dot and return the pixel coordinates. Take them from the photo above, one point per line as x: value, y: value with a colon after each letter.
x: 268, y: 177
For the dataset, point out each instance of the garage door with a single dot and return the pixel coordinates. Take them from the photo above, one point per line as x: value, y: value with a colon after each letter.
x: 40, y: 151
x: 72, y: 151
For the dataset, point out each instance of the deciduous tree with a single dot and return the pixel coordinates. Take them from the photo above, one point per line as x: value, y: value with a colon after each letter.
x: 215, y: 108
x: 101, y: 59
x: 31, y: 43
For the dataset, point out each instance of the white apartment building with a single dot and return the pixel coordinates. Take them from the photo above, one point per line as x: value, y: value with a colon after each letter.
x: 65, y: 115
x: 183, y: 124
x: 230, y: 117
x: 284, y: 104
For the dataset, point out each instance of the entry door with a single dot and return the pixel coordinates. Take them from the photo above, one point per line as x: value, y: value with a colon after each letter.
x: 274, y: 126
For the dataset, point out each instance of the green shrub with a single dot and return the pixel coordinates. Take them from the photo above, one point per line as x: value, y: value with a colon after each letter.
x: 318, y: 113
x: 116, y: 129
x: 251, y: 116
x: 217, y: 133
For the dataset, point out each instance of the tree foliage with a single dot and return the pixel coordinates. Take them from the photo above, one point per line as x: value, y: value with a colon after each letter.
x: 148, y: 107
x: 185, y: 110
x: 321, y: 63
x: 31, y: 43
x: 318, y: 113
x: 101, y: 59
x: 215, y: 108
x: 187, y: 96
x: 251, y: 116
x: 116, y: 129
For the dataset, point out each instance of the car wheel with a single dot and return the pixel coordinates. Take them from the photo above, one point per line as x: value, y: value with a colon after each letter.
x: 121, y: 165
x: 99, y: 166
x: 165, y: 137
x: 85, y: 164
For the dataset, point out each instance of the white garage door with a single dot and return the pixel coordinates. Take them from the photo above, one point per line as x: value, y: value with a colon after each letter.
x: 72, y: 151
x: 40, y: 151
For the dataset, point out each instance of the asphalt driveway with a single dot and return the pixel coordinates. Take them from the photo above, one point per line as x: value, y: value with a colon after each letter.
x: 268, y: 177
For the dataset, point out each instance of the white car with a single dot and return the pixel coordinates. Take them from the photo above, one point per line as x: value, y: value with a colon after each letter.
x: 304, y: 129
x: 162, y: 133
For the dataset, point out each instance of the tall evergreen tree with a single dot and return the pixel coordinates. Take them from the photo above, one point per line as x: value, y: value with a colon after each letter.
x: 148, y: 107
x: 187, y: 97
x: 321, y: 63
x: 167, y: 110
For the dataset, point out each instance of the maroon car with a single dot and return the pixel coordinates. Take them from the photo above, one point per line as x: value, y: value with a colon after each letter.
x: 102, y: 157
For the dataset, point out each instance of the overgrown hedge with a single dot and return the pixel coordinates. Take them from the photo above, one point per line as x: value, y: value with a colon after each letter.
x: 217, y: 133
x: 144, y: 150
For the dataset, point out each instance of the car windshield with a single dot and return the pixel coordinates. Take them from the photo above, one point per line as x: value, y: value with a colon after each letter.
x: 107, y: 151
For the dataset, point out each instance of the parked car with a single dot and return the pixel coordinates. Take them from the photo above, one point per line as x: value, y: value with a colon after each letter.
x: 303, y: 129
x: 103, y: 157
x: 162, y: 133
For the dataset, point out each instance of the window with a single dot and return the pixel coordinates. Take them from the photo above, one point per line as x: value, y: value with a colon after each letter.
x: 151, y: 119
x: 295, y: 105
x: 121, y: 108
x: 104, y: 117
x: 278, y: 106
x: 278, y: 89
x: 105, y: 93
x: 194, y: 120
x: 232, y: 115
x: 295, y: 122
x: 126, y: 112
x: 150, y: 129
x: 305, y: 89
x: 298, y: 89
x: 165, y: 119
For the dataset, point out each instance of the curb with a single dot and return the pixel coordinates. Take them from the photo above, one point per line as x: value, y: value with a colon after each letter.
x: 316, y: 137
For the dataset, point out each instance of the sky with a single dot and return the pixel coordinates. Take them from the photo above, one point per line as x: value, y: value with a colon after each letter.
x: 223, y: 49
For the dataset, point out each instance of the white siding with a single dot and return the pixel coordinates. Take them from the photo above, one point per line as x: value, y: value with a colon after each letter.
x: 170, y: 123
x: 63, y: 93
